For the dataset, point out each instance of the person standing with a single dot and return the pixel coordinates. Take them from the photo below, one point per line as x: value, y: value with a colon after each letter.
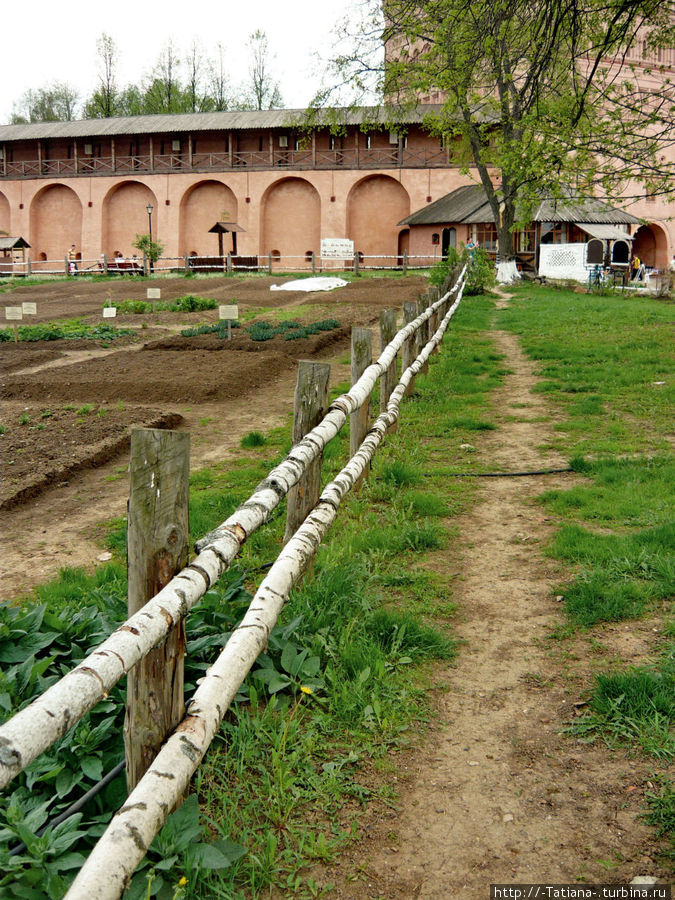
x: 72, y: 260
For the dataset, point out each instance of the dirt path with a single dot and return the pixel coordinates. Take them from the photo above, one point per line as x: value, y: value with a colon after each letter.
x: 497, y: 794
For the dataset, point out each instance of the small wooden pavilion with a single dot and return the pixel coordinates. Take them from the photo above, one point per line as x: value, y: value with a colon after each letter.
x: 221, y: 228
x: 10, y: 248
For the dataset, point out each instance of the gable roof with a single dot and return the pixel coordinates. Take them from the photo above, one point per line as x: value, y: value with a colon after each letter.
x: 469, y: 205
x: 13, y: 243
x: 453, y: 207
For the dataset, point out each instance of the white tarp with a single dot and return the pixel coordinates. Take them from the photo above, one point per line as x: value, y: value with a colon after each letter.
x: 310, y: 284
x: 563, y: 261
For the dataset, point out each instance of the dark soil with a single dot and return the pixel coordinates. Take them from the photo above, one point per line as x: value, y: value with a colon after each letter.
x: 44, y: 445
x: 46, y: 382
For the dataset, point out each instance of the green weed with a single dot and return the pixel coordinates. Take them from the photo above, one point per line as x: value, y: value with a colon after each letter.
x: 253, y: 439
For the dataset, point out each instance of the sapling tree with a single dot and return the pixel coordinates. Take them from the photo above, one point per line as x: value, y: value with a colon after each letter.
x: 150, y: 249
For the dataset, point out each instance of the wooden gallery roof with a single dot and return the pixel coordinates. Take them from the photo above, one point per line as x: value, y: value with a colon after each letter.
x: 229, y: 120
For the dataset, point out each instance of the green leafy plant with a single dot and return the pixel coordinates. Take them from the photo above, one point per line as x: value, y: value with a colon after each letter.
x: 178, y: 856
x: 65, y: 331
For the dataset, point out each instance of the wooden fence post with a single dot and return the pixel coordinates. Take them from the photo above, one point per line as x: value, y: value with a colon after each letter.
x: 310, y: 404
x: 422, y: 332
x: 388, y: 379
x: 269, y: 264
x: 313, y: 263
x: 157, y: 548
x: 405, y: 262
x: 67, y: 268
x: 105, y: 263
x: 357, y: 264
x: 29, y: 267
x: 228, y: 262
x: 362, y: 356
x: 408, y: 353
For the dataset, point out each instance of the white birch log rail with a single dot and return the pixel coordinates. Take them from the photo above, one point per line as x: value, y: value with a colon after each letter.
x: 114, y: 859
x: 36, y: 727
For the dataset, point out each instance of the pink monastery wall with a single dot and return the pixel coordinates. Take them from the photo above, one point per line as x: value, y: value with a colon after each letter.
x: 290, y: 213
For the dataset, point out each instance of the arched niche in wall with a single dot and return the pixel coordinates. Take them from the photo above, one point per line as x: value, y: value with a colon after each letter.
x: 55, y: 222
x: 201, y: 207
x: 595, y: 252
x: 375, y: 206
x: 620, y: 252
x: 651, y: 245
x: 5, y: 217
x: 290, y: 219
x: 125, y: 216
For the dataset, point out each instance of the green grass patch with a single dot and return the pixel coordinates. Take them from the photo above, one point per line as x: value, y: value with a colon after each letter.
x: 635, y: 706
x: 620, y: 573
x: 661, y: 811
x: 627, y: 493
x: 601, y: 359
x: 253, y: 439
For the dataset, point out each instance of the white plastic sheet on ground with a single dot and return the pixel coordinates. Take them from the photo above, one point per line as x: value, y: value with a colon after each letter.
x: 310, y: 284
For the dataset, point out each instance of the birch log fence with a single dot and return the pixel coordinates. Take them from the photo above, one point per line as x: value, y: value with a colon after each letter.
x: 34, y: 729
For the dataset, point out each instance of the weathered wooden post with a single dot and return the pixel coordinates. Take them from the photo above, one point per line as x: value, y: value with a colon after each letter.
x: 228, y: 262
x: 186, y: 262
x: 388, y: 378
x: 67, y: 269
x: 29, y: 267
x: 408, y: 349
x: 269, y: 264
x: 313, y: 263
x: 422, y: 332
x: 357, y: 263
x: 362, y: 356
x: 157, y: 548
x: 405, y: 262
x: 310, y: 404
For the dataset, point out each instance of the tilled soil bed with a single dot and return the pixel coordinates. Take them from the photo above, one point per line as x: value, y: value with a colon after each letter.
x: 45, y: 383
x: 43, y: 445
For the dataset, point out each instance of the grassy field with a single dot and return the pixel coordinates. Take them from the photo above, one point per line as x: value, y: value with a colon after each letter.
x: 607, y: 365
x: 344, y: 684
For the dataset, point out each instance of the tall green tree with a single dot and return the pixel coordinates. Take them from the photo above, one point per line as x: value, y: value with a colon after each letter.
x: 218, y: 82
x: 53, y: 103
x: 536, y: 96
x: 105, y: 100
x: 163, y: 89
x: 263, y: 87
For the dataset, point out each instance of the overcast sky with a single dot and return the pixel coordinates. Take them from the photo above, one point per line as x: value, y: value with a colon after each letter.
x: 59, y: 43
